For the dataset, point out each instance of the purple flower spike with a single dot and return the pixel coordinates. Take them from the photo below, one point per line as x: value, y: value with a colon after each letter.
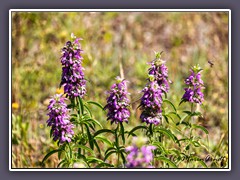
x: 140, y: 156
x: 195, y: 85
x: 151, y: 102
x: 160, y: 72
x: 118, y: 103
x: 59, y: 119
x: 72, y: 71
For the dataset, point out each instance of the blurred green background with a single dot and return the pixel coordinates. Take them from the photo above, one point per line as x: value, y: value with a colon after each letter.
x: 109, y: 40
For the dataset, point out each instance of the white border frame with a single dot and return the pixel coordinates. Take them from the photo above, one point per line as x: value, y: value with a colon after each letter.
x: 117, y: 10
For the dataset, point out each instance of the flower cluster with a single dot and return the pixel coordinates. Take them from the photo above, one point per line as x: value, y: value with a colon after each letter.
x: 117, y: 102
x: 151, y: 100
x: 160, y: 72
x: 193, y: 93
x: 140, y: 156
x: 72, y: 71
x: 59, y: 119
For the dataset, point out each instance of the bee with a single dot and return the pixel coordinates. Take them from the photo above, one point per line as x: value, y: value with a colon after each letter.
x: 210, y: 63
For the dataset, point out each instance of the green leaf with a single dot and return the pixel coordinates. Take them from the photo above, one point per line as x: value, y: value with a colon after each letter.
x: 81, y: 156
x: 150, y: 129
x: 176, y: 114
x: 108, y: 154
x: 70, y: 106
x: 103, y: 131
x: 94, y: 121
x: 103, y: 139
x: 165, y: 94
x: 49, y: 154
x: 70, y: 149
x: 94, y: 160
x: 170, y: 103
x: 175, y: 151
x: 136, y: 128
x: 122, y: 149
x: 184, y: 139
x: 74, y: 115
x: 91, y: 126
x: 133, y: 134
x: 200, y: 127
x: 192, y: 113
x: 109, y: 149
x: 167, y: 132
x: 166, y: 118
x: 162, y: 158
x: 96, y: 144
x: 85, y: 148
x: 196, y: 144
x: 59, y: 155
x: 79, y: 150
x: 60, y: 152
x: 90, y: 138
x: 88, y: 110
x: 80, y: 105
x: 188, y: 112
x: 62, y: 162
x: 182, y: 101
x: 160, y: 146
x: 184, y: 123
x: 197, y: 113
x: 96, y: 104
x: 183, y: 118
x: 123, y: 157
x: 73, y: 120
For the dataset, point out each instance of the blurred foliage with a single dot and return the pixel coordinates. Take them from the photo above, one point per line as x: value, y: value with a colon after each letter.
x: 112, y: 39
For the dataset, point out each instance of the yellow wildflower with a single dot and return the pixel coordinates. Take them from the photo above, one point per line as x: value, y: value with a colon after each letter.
x: 15, y: 105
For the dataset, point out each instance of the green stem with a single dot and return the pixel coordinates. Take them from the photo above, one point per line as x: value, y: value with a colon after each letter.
x: 191, y: 118
x: 151, y: 135
x: 82, y: 133
x: 79, y: 109
x: 81, y: 128
x: 81, y: 125
x: 117, y: 144
x: 118, y: 160
x: 189, y: 149
x: 191, y: 107
x: 116, y: 136
x: 70, y: 150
